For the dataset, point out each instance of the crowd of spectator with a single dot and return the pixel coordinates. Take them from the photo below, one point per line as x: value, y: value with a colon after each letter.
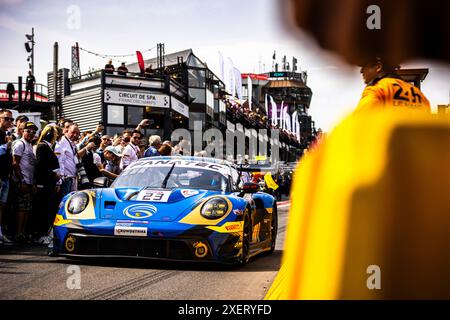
x: 39, y: 167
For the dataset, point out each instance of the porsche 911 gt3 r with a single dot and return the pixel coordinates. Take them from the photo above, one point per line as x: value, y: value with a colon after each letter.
x: 172, y: 208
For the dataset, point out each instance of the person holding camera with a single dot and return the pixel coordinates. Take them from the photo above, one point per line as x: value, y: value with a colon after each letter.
x: 98, y: 132
x: 91, y: 162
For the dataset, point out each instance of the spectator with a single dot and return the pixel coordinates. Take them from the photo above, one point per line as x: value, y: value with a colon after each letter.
x: 124, y: 141
x: 6, y: 122
x: 155, y: 144
x: 109, y: 67
x: 122, y: 70
x: 113, y: 158
x: 106, y: 142
x: 30, y: 82
x: 66, y: 152
x: 65, y: 124
x: 386, y: 88
x: 148, y: 71
x: 182, y: 148
x: 11, y: 91
x: 47, y: 177
x: 24, y: 162
x: 19, y: 130
x: 131, y: 153
x: 165, y: 150
x: 85, y: 136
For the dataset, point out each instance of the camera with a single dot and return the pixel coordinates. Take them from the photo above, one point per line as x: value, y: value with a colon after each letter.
x: 83, y: 179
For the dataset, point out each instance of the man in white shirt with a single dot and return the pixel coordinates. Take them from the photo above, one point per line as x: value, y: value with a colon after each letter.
x: 66, y: 152
x: 23, y: 176
x: 131, y: 153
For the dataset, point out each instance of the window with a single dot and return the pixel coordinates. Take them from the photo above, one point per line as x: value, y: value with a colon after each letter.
x: 135, y: 115
x: 115, y: 114
x: 196, y: 78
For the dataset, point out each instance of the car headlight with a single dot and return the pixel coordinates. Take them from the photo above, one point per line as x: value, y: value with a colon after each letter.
x: 214, y: 208
x: 77, y: 203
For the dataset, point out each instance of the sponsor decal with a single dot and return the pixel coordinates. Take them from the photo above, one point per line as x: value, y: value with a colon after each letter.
x: 189, y: 193
x: 201, y: 249
x: 70, y: 244
x: 233, y: 227
x: 140, y: 211
x: 223, y: 169
x: 130, y: 231
x: 238, y: 212
x: 59, y: 220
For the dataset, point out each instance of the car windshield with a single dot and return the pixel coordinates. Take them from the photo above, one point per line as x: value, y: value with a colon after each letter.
x: 171, y: 177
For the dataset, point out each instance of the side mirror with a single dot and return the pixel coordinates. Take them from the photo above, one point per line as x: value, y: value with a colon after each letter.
x: 250, y: 187
x: 100, y: 182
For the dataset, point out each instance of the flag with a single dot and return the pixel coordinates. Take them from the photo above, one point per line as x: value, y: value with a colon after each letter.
x: 274, y: 111
x: 238, y: 84
x: 250, y: 91
x: 286, y: 119
x: 266, y: 104
x: 230, y: 77
x: 270, y: 182
x: 140, y: 61
x: 281, y: 124
x: 294, y: 123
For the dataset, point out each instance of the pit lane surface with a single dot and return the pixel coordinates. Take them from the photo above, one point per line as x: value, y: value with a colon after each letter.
x: 26, y: 272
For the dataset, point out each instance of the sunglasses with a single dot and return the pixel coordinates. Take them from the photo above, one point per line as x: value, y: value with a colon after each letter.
x: 7, y: 118
x: 30, y: 131
x: 137, y: 138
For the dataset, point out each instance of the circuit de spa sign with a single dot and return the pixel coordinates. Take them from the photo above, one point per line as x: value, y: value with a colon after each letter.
x: 126, y: 97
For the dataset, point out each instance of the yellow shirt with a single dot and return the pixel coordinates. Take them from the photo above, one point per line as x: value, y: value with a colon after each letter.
x: 392, y: 92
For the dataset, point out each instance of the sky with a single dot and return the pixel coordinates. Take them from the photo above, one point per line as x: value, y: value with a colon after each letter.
x: 247, y: 32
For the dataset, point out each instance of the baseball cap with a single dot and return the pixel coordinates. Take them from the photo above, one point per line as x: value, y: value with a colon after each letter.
x: 30, y: 125
x: 113, y: 150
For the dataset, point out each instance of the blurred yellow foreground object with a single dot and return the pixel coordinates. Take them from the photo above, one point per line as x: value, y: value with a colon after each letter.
x: 370, y: 214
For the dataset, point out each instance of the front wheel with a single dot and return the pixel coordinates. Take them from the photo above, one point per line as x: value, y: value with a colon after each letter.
x: 246, y: 236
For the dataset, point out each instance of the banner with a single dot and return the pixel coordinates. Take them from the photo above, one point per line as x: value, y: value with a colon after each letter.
x: 250, y: 92
x: 281, y: 121
x: 294, y: 122
x: 274, y: 111
x: 266, y: 104
x: 137, y: 98
x: 238, y: 83
x: 140, y: 59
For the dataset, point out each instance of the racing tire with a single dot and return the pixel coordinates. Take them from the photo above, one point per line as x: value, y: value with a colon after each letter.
x: 273, y: 229
x: 246, y: 239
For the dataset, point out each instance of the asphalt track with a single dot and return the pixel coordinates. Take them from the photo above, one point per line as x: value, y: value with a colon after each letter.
x: 26, y: 272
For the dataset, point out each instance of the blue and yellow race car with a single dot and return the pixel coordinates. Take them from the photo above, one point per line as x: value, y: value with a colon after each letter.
x: 171, y: 208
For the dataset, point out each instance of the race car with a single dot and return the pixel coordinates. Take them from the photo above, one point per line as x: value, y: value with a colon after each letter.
x: 169, y: 208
